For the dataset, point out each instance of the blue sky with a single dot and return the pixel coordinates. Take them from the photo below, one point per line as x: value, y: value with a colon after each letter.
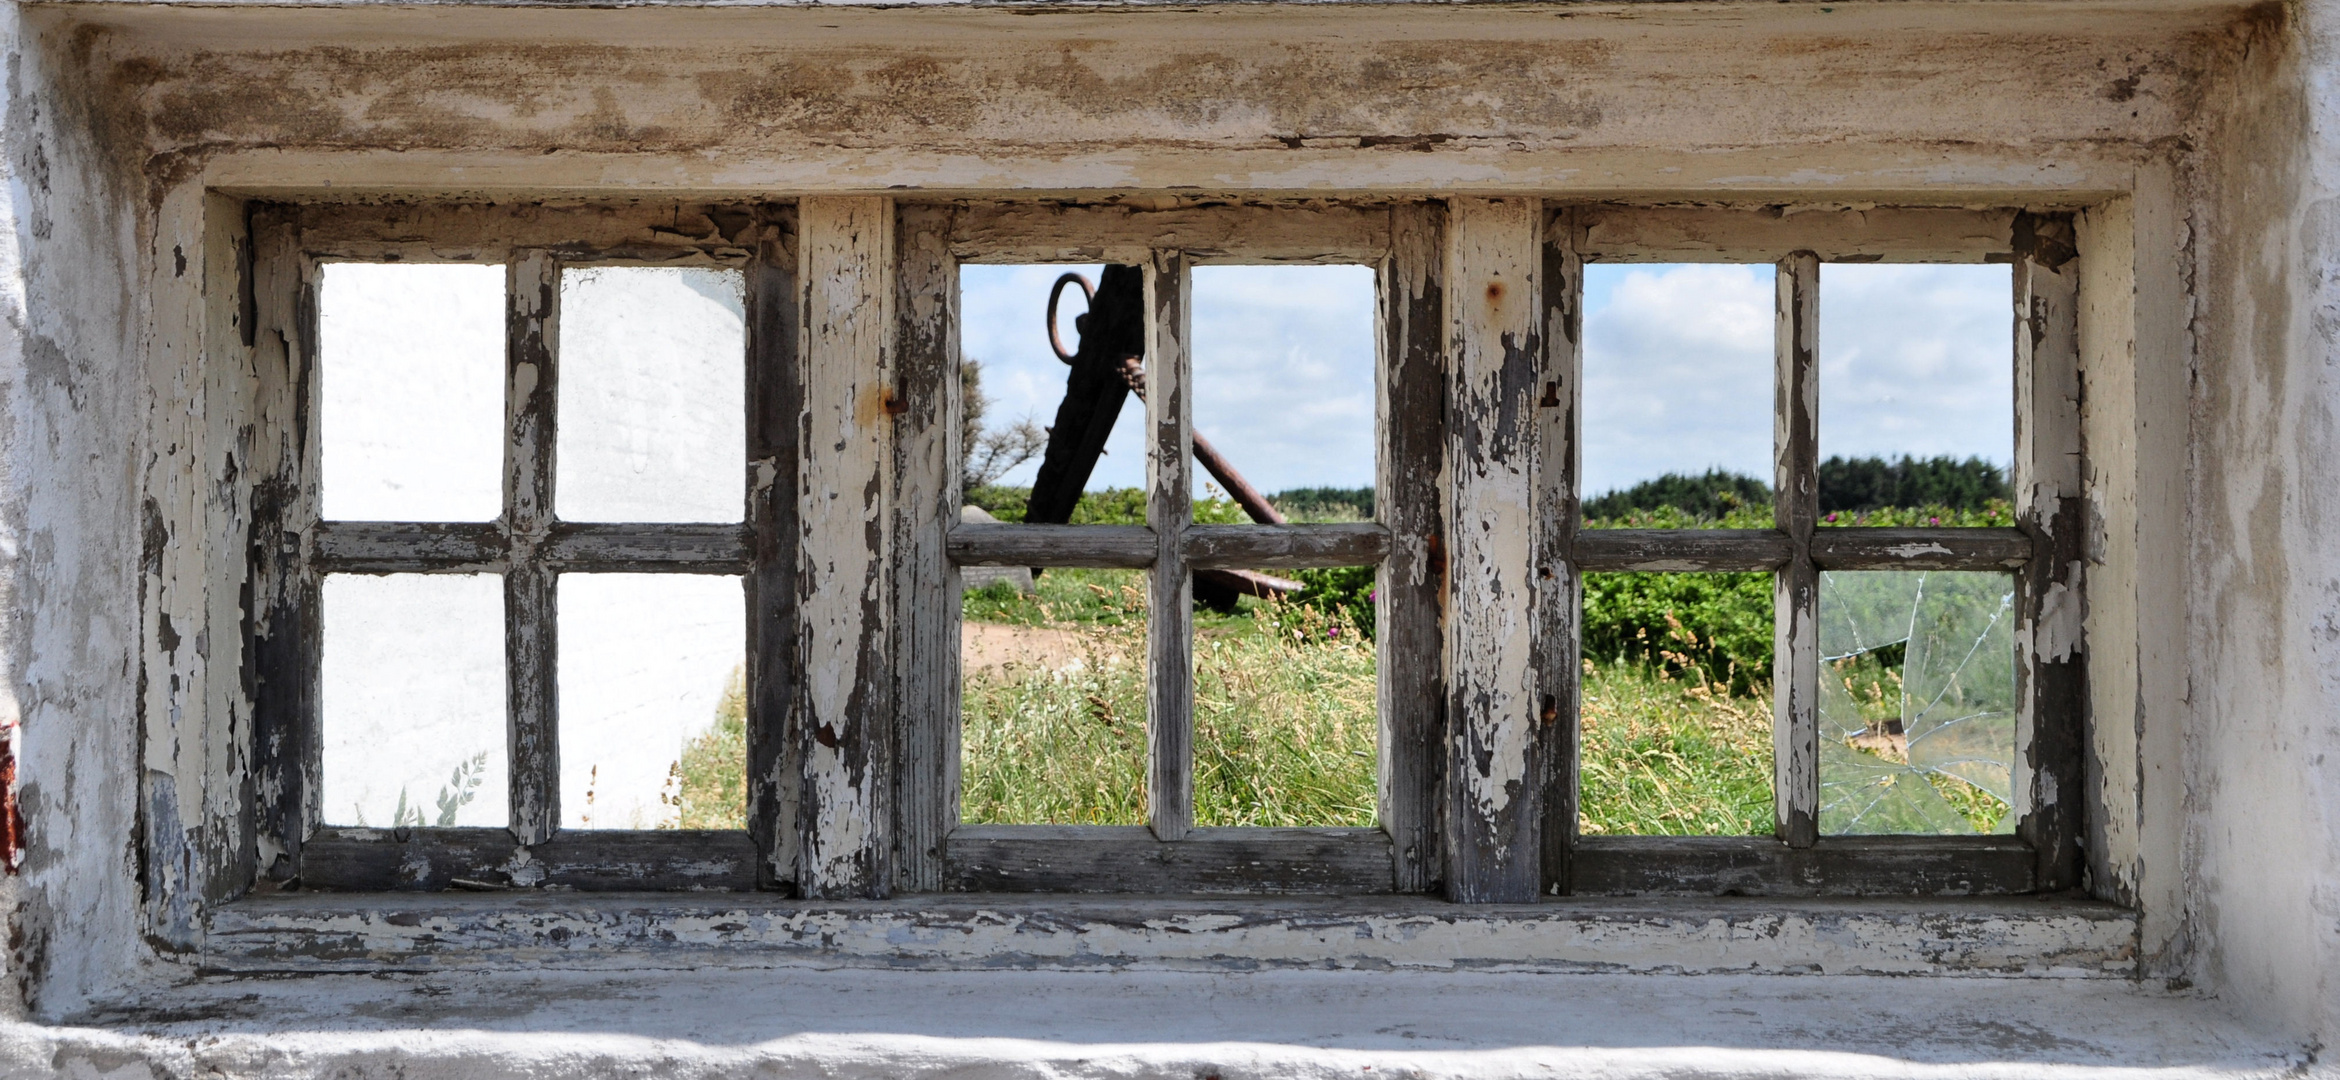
x: 1914, y: 359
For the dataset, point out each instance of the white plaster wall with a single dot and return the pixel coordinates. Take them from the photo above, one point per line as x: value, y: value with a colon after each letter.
x: 70, y: 528
x: 2264, y: 788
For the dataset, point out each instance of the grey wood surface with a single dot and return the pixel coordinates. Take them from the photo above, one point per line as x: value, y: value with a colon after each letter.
x: 1169, y: 592
x: 926, y: 506
x: 1092, y: 859
x: 1410, y: 642
x: 1795, y: 673
x: 2051, y: 507
x: 1831, y: 866
x: 531, y: 630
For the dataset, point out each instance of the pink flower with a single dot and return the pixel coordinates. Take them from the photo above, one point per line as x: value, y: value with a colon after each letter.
x: 1832, y: 517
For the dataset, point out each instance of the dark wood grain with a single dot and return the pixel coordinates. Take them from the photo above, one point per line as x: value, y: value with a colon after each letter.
x: 1132, y: 547
x: 1920, y: 549
x: 1681, y: 550
x: 926, y: 506
x: 631, y: 548
x: 2051, y: 656
x: 1169, y: 587
x: 1795, y: 672
x: 774, y: 427
x: 1275, y: 547
x: 531, y: 616
x: 1558, y: 580
x: 385, y: 860
x: 1831, y: 866
x: 1412, y: 583
x: 1041, y: 858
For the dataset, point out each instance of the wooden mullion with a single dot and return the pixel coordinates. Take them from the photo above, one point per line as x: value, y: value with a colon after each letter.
x: 1409, y: 640
x: 1494, y: 752
x: 1270, y: 547
x: 1128, y: 547
x: 284, y: 630
x: 926, y: 505
x: 1559, y: 402
x: 2050, y: 505
x: 1207, y: 861
x: 1796, y: 585
x: 1169, y: 510
x: 1832, y: 866
x: 531, y: 633
x: 774, y: 403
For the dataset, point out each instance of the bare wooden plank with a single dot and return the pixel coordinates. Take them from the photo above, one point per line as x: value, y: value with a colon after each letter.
x: 531, y: 630
x: 926, y: 506
x: 1270, y: 547
x: 676, y: 233
x: 844, y: 817
x: 1105, y: 546
x: 1412, y: 584
x: 632, y: 548
x: 1559, y: 600
x: 1129, y: 859
x: 2050, y: 506
x: 1169, y: 587
x: 1054, y: 232
x: 1494, y: 763
x: 382, y: 547
x: 1832, y: 866
x: 1770, y: 234
x: 489, y: 860
x: 283, y: 631
x: 1795, y: 671
x: 1681, y: 550
x: 1920, y: 549
x: 775, y: 398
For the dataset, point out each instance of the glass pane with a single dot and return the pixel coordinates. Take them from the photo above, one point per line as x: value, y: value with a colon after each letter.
x: 1678, y: 378
x: 1676, y: 705
x: 1917, y: 394
x: 653, y: 711
x: 1016, y: 394
x: 1285, y: 709
x: 1284, y: 361
x: 1917, y: 702
x: 413, y: 700
x: 653, y: 407
x: 411, y: 361
x: 1052, y: 699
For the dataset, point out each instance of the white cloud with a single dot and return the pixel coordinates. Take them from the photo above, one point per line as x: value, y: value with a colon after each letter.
x: 1917, y: 360
x: 1677, y: 372
x: 1283, y: 362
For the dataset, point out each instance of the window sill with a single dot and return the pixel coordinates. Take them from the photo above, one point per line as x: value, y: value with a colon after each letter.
x: 314, y: 933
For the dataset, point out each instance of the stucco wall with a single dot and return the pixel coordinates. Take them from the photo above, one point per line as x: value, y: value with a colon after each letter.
x: 119, y: 116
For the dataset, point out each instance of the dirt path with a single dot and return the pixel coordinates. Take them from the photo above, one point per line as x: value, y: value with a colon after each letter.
x: 990, y: 647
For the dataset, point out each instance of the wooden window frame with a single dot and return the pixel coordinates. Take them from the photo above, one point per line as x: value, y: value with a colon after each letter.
x: 2042, y: 549
x: 855, y: 299
x: 294, y: 548
x: 1170, y: 854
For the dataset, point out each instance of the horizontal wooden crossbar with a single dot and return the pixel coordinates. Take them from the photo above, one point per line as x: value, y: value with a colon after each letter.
x: 354, y: 859
x: 1832, y: 866
x: 1110, y: 858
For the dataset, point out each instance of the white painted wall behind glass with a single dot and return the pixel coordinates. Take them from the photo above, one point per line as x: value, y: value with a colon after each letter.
x: 412, y: 415
x: 413, y: 700
x: 644, y: 661
x: 652, y: 418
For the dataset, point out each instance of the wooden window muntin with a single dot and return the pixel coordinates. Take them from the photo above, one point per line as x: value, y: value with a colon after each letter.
x: 2044, y: 852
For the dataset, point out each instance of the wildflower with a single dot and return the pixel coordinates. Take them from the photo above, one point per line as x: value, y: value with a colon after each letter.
x: 1832, y: 517
x: 1933, y: 521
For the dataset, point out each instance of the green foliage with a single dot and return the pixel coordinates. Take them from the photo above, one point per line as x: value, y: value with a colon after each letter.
x: 1710, y: 497
x: 1105, y: 506
x: 1756, y: 516
x: 1343, y: 593
x: 711, y: 792
x: 1861, y: 484
x: 1664, y: 756
x: 1714, y: 628
x: 1325, y: 504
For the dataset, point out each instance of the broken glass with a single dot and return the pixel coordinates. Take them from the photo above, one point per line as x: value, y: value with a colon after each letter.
x: 1917, y: 702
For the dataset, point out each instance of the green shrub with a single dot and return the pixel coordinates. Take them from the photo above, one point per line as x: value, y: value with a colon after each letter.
x: 1705, y: 498
x: 1714, y: 627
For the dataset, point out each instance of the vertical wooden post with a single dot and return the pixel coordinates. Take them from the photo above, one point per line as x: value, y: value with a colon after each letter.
x: 286, y: 629
x: 1559, y: 398
x: 2051, y: 654
x: 847, y: 254
x: 1795, y: 664
x: 1169, y: 505
x: 1494, y: 764
x: 775, y: 408
x: 530, y: 634
x: 1412, y: 583
x: 926, y: 503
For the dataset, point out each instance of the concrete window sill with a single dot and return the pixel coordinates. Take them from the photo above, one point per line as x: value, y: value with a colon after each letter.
x: 847, y: 1024
x: 316, y: 933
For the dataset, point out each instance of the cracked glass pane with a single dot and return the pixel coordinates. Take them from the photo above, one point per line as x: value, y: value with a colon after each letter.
x: 1917, y: 702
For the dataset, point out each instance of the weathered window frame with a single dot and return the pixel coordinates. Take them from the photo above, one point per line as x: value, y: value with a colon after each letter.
x: 1170, y: 854
x: 2043, y: 548
x: 853, y: 300
x: 293, y: 548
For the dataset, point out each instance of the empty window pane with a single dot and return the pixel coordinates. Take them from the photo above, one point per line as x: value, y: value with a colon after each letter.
x: 1678, y: 386
x: 1284, y: 360
x: 1052, y: 698
x: 413, y: 700
x: 1285, y: 717
x: 1676, y: 705
x: 653, y: 710
x: 412, y: 382
x: 1917, y: 702
x: 652, y: 394
x: 1021, y: 402
x: 1917, y: 394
